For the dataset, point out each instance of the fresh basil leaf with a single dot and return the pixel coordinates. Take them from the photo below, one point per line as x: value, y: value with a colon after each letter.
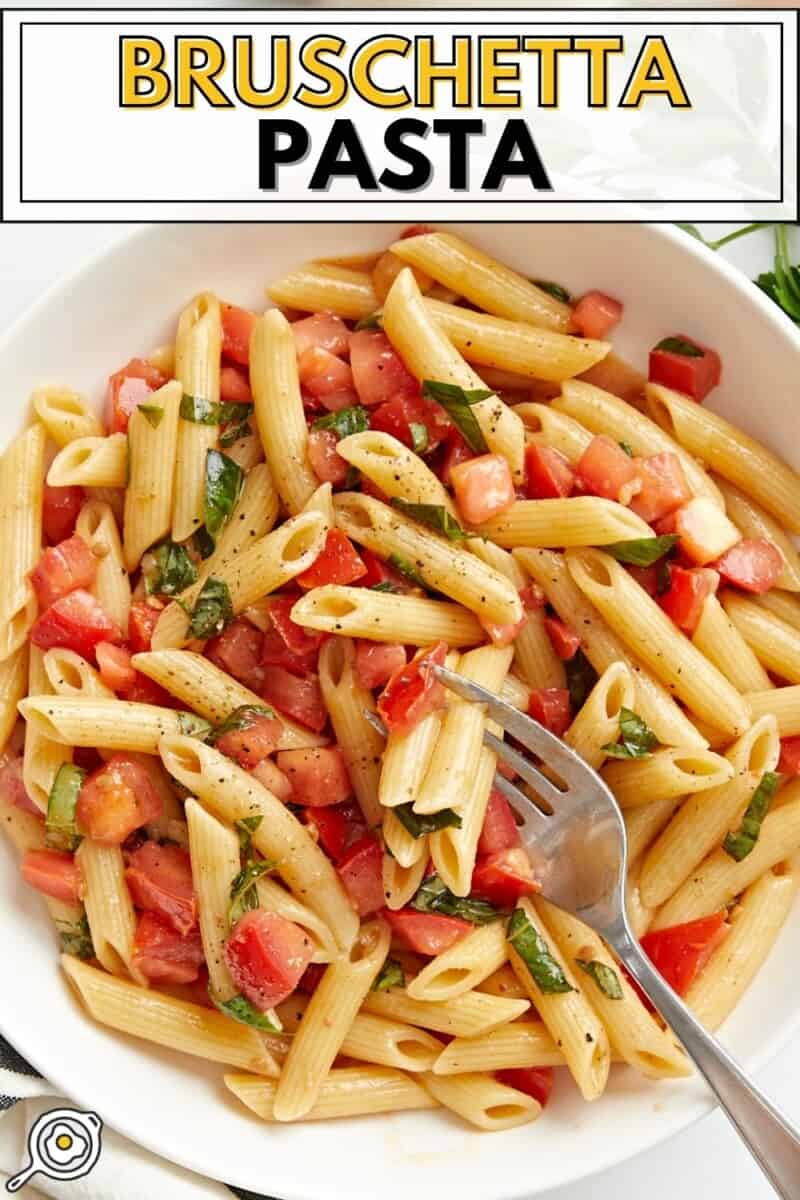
x: 76, y: 939
x: 61, y: 830
x: 692, y: 230
x: 419, y: 436
x: 203, y: 542
x: 407, y: 569
x: 224, y: 479
x: 236, y: 419
x: 168, y: 570
x: 418, y: 825
x: 581, y: 678
x: 199, y: 410
x: 344, y: 422
x: 244, y: 896
x: 435, y: 516
x: 782, y: 284
x: 386, y: 585
x: 213, y: 609
x: 738, y: 845
x: 553, y: 289
x: 663, y: 577
x: 243, y: 717
x: 191, y: 725
x: 240, y: 1009
x: 245, y: 829
x: 679, y: 345
x: 532, y: 949
x: 391, y: 975
x: 604, y: 976
x: 435, y: 897
x: 457, y: 403
x: 373, y: 321
x: 627, y: 447
x: 642, y: 552
x: 154, y: 414
x: 637, y: 740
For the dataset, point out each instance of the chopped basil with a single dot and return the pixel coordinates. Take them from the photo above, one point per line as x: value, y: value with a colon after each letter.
x: 212, y: 611
x: 419, y: 436
x: 243, y: 888
x: 418, y: 825
x: 236, y: 422
x: 604, y: 976
x: 168, y: 570
x: 76, y: 939
x: 406, y: 569
x: 642, y: 552
x: 243, y: 717
x: 782, y: 283
x: 553, y: 289
x: 344, y: 422
x: 386, y: 585
x: 738, y: 845
x: 193, y: 726
x: 203, y: 542
x: 581, y: 678
x: 532, y: 949
x: 241, y: 1010
x: 637, y: 740
x: 457, y: 403
x: 199, y: 410
x: 679, y: 345
x: 663, y: 577
x: 435, y: 897
x: 435, y: 516
x: 245, y: 828
x: 153, y: 413
x: 224, y: 479
x: 60, y: 827
x: 373, y: 321
x: 627, y: 447
x: 390, y: 975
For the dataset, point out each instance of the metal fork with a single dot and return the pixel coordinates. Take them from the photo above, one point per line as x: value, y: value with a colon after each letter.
x: 579, y: 853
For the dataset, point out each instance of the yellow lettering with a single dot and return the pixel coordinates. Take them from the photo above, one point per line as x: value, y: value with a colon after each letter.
x: 598, y: 50
x: 654, y: 74
x: 430, y: 72
x: 328, y: 73
x: 144, y: 83
x: 361, y: 71
x: 198, y: 62
x: 278, y: 90
x: 493, y: 71
x: 548, y: 50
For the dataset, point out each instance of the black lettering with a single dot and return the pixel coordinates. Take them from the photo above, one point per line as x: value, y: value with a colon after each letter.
x: 516, y: 137
x: 354, y: 164
x: 271, y: 155
x: 393, y: 139
x: 459, y: 133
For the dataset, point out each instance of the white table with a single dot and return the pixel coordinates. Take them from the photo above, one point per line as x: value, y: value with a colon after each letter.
x: 706, y: 1160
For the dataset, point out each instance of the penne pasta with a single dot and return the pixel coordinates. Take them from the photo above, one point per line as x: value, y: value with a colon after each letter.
x: 454, y: 850
x: 152, y: 473
x: 113, y: 724
x: 112, y: 586
x: 483, y: 1101
x: 326, y: 287
x: 407, y: 755
x: 395, y: 469
x: 597, y: 723
x: 214, y: 850
x: 13, y: 686
x: 109, y: 910
x: 783, y: 703
x: 42, y: 755
x: 348, y: 703
x: 755, y: 522
x: 345, y: 1092
x: 464, y: 966
x: 384, y: 617
x: 21, y: 491
x: 577, y: 521
x: 666, y: 774
x: 546, y: 426
x: 91, y: 462
x: 783, y: 605
x: 775, y: 643
x: 520, y: 1044
x: 64, y: 414
x: 198, y: 345
x: 719, y: 639
x: 467, y: 1015
x: 400, y: 884
x: 374, y: 1039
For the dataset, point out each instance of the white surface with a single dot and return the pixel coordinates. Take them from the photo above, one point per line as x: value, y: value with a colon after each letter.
x: 705, y: 1160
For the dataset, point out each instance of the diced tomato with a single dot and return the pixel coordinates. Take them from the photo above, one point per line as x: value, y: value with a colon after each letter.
x: 234, y: 386
x: 339, y: 562
x: 238, y: 650
x: 604, y: 469
x: 789, y: 763
x: 146, y: 691
x: 127, y: 388
x: 533, y: 1081
x: 114, y: 665
x: 705, y: 531
x: 326, y: 463
x: 256, y: 742
x: 266, y: 956
x: 12, y: 787
x: 273, y: 779
x: 60, y: 508
x: 159, y: 879
x: 75, y: 622
x: 379, y: 571
x: 369, y: 488
x: 647, y: 577
x: 162, y: 954
x: 318, y: 775
x: 551, y: 708
x: 376, y: 662
x: 413, y: 691
x: 754, y: 565
x: 663, y: 487
x: 361, y: 872
x: 53, y: 873
x: 142, y: 621
x: 300, y: 641
x: 379, y: 373
x: 695, y: 375
x: 237, y: 329
x: 296, y: 697
x: 483, y: 487
x: 327, y: 378
x: 503, y: 877
x: 398, y: 415
x: 504, y: 635
x: 323, y: 331
x: 684, y: 598
x: 426, y: 933
x: 596, y: 314
x: 456, y: 452
x: 62, y: 569
x: 275, y: 653
x: 532, y: 596
x: 337, y: 827
x: 499, y: 830
x: 680, y: 952
x: 115, y: 800
x: 565, y: 643
x: 311, y: 978
x: 548, y: 475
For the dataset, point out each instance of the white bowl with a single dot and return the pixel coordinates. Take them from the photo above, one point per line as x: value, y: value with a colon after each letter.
x: 123, y: 303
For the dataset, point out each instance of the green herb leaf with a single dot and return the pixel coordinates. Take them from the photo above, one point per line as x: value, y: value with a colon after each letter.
x: 678, y: 345
x: 76, y: 939
x: 738, y: 845
x: 457, y: 403
x: 213, y: 609
x: 553, y: 289
x: 604, y: 976
x: 236, y: 419
x: 627, y: 447
x: 61, y: 830
x: 243, y: 717
x: 783, y: 283
x: 224, y: 479
x: 390, y: 975
x: 344, y: 422
x: 203, y: 542
x: 435, y: 897
x: 418, y: 825
x: 435, y: 516
x: 373, y: 321
x: 245, y: 828
x: 637, y: 740
x: 168, y: 569
x: 407, y: 569
x: 199, y: 410
x: 419, y: 436
x: 532, y: 949
x: 581, y: 678
x: 692, y: 230
x: 154, y: 414
x: 642, y: 552
x: 386, y: 585
x: 663, y: 577
x: 243, y: 888
x: 241, y: 1010
x: 191, y: 725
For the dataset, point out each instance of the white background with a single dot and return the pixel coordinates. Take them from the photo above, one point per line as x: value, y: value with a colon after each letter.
x: 706, y: 1161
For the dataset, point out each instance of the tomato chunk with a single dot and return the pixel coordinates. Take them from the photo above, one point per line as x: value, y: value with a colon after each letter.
x: 551, y: 708
x: 53, y: 873
x: 237, y: 329
x: 275, y: 653
x: 323, y: 331
x: 266, y: 955
x: 754, y: 565
x: 684, y: 598
x: 503, y: 877
x: 147, y: 691
x: 12, y: 786
x: 596, y: 314
x: 164, y: 955
x: 318, y: 775
x: 297, y: 697
x: 379, y: 373
x: 399, y: 416
x: 337, y: 827
x: 499, y: 830
x: 533, y: 1081
x: 326, y: 463
x: 705, y: 531
x: 681, y: 951
x: 115, y: 800
x: 789, y: 762
x: 127, y: 389
x: 426, y: 933
x: 234, y: 386
x: 663, y: 487
x: 504, y: 635
x: 380, y: 572
x: 339, y: 562
x: 361, y: 872
x: 695, y: 374
x: 159, y: 879
x: 142, y: 621
x: 456, y: 452
x: 75, y: 622
x: 238, y: 650
x: 114, y: 665
x: 60, y: 508
x: 376, y: 662
x: 62, y: 569
x: 565, y: 643
x: 413, y: 691
x: 299, y: 640
x: 327, y: 379
x: 604, y: 469
x: 483, y: 487
x: 273, y: 779
x: 548, y: 475
x: 255, y: 742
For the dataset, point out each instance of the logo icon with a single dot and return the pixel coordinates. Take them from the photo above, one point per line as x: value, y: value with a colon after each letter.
x: 63, y: 1144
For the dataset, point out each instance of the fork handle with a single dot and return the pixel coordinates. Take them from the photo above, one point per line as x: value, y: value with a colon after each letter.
x: 772, y: 1141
